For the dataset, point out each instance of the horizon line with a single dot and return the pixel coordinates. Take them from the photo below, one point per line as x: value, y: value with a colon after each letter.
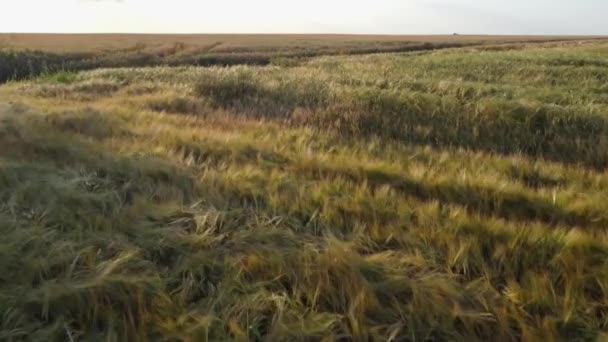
x: 312, y: 34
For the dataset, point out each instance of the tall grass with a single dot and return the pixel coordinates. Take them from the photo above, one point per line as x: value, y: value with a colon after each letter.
x: 438, y: 111
x: 19, y: 64
x: 398, y: 197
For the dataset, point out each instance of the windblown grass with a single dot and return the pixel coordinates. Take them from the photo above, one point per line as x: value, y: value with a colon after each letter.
x: 449, y: 195
x: 29, y: 55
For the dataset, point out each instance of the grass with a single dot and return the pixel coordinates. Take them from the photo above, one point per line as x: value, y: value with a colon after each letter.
x: 228, y: 43
x: 443, y: 195
x: 29, y: 55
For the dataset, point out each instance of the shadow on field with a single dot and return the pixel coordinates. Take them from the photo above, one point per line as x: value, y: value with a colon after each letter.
x: 494, y: 125
x: 481, y: 200
x: 62, y: 141
x: 97, y: 244
x: 69, y: 143
x: 75, y: 257
x: 244, y: 93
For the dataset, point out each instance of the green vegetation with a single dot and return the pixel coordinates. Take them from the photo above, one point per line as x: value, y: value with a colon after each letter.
x: 442, y: 195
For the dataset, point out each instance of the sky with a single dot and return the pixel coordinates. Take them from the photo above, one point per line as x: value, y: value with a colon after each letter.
x: 575, y: 17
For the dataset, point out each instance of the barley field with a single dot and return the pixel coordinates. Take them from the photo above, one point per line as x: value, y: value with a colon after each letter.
x: 30, y: 55
x: 246, y: 42
x: 450, y: 195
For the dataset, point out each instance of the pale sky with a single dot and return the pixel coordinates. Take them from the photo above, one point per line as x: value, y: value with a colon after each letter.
x: 307, y: 16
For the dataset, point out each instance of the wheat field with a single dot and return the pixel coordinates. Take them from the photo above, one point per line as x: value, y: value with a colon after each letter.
x: 449, y: 195
x: 249, y: 42
x: 30, y: 55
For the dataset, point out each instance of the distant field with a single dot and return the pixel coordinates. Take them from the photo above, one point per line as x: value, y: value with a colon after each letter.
x: 27, y: 55
x: 237, y: 43
x: 449, y: 195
